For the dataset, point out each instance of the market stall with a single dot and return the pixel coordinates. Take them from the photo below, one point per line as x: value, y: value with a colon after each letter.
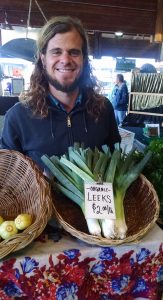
x: 146, y: 99
x: 72, y: 269
x: 38, y: 263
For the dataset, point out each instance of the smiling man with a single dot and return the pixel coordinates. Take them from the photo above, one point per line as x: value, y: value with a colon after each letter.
x: 62, y: 105
x: 63, y: 65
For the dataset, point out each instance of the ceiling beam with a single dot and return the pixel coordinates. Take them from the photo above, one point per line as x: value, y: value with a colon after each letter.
x: 123, y: 47
x: 143, y: 18
x: 105, y: 15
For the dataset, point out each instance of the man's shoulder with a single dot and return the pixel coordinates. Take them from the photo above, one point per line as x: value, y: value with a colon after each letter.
x: 124, y: 86
x: 17, y: 110
x: 108, y: 103
x: 108, y: 108
x: 19, y: 106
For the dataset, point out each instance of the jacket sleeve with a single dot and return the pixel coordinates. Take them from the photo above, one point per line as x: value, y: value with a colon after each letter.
x: 123, y: 95
x: 115, y: 97
x: 10, y: 138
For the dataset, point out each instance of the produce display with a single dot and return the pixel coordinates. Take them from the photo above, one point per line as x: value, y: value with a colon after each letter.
x: 146, y: 101
x: 146, y: 93
x: 147, y: 83
x: 10, y: 228
x: 79, y: 166
x: 154, y: 169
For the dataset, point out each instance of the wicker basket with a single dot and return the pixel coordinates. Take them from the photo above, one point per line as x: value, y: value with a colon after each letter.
x: 141, y: 212
x: 23, y: 189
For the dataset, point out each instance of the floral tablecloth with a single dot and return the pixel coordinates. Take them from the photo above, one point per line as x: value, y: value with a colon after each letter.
x: 73, y: 270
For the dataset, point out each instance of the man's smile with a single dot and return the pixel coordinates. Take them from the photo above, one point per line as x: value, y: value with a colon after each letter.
x: 61, y: 70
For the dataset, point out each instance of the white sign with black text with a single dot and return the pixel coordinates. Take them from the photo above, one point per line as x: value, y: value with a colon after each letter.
x: 99, y: 201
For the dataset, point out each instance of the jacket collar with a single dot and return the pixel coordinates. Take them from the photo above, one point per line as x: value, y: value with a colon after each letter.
x: 55, y: 102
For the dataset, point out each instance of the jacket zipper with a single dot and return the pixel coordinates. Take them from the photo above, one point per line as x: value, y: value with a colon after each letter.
x: 71, y: 141
x: 68, y: 121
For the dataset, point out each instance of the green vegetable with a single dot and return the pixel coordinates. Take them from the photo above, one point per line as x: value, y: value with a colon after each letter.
x: 154, y: 169
x: 87, y: 166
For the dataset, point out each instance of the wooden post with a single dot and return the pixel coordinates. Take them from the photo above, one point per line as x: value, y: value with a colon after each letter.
x: 0, y: 38
x: 158, y: 37
x: 161, y: 54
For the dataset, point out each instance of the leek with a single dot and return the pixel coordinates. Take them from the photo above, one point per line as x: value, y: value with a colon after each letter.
x: 125, y: 175
x: 68, y: 181
x: 80, y: 166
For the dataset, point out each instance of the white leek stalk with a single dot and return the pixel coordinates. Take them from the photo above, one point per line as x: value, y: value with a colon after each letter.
x: 114, y: 229
x: 93, y: 226
x: 125, y: 175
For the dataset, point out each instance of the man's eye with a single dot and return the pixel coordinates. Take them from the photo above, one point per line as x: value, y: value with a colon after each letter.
x: 75, y: 52
x: 56, y: 52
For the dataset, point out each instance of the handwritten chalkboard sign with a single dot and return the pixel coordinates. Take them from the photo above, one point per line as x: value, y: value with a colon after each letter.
x: 99, y: 201
x: 125, y: 64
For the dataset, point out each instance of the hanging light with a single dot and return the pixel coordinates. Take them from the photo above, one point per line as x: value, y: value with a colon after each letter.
x: 6, y: 24
x: 29, y: 16
x: 28, y: 19
x: 118, y: 33
x: 41, y: 10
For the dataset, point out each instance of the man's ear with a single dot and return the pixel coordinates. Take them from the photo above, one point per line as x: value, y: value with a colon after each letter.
x: 42, y: 57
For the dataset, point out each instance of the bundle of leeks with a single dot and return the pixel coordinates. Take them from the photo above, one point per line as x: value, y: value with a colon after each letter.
x: 79, y: 166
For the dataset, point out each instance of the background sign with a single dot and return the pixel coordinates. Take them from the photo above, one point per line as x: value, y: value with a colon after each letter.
x: 125, y: 64
x: 17, y: 86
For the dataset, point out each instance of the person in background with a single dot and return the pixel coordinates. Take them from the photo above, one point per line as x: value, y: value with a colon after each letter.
x: 120, y: 99
x: 136, y: 70
x: 148, y: 68
x: 9, y: 87
x: 114, y: 91
x: 63, y: 104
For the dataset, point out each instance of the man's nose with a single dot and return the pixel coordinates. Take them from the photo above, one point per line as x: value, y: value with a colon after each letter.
x: 65, y: 57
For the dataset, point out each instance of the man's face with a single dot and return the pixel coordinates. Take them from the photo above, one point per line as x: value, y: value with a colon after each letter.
x: 117, y: 80
x: 63, y: 61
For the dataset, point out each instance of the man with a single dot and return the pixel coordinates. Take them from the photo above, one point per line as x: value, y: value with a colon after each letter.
x: 62, y: 105
x: 120, y: 99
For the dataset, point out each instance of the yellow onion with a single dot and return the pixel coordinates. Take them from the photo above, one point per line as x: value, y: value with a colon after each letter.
x: 1, y: 220
x: 7, y: 229
x: 23, y: 221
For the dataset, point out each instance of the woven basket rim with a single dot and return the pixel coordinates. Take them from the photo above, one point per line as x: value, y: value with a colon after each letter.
x: 104, y: 242
x: 22, y: 239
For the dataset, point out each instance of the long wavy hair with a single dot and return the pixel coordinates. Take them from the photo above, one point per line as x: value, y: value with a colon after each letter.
x: 36, y: 96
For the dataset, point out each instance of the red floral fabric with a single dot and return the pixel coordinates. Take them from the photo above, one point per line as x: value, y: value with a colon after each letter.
x: 83, y: 273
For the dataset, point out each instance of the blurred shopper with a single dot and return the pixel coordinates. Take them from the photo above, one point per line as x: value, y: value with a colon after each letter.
x: 148, y: 68
x: 9, y: 88
x: 120, y: 99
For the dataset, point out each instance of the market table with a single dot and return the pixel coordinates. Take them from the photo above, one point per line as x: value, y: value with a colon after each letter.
x: 139, y: 133
x: 73, y: 270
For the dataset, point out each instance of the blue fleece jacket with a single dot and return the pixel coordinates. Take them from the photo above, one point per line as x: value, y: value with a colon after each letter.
x: 120, y: 98
x: 34, y: 136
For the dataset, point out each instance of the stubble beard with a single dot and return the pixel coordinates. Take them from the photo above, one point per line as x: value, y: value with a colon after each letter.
x: 65, y: 88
